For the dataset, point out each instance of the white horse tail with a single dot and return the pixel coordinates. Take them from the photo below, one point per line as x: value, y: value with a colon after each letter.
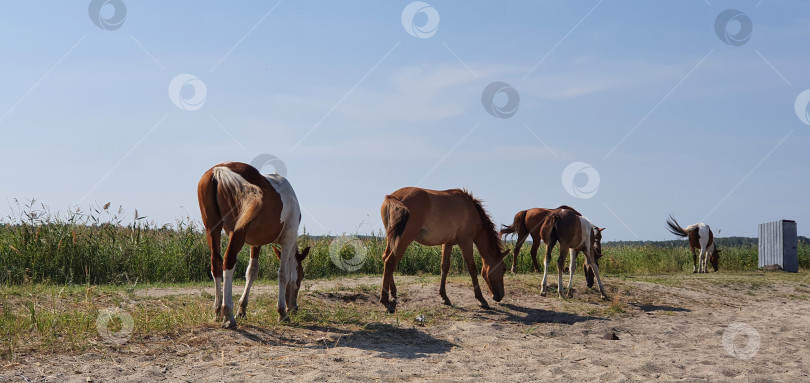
x: 244, y: 198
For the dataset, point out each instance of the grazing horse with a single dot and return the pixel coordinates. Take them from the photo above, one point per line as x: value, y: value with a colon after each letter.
x: 447, y: 218
x: 574, y: 233
x: 254, y: 209
x: 700, y: 237
x: 528, y: 222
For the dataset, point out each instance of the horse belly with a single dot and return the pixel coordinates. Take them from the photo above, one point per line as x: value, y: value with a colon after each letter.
x: 262, y: 231
x: 432, y: 237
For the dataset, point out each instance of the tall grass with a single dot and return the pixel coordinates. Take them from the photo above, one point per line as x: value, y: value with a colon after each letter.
x: 101, y: 245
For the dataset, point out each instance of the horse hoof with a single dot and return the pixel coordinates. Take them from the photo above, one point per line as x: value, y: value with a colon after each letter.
x: 604, y: 297
x: 446, y: 302
x: 485, y: 305
x: 542, y: 293
x: 392, y: 308
x: 229, y: 323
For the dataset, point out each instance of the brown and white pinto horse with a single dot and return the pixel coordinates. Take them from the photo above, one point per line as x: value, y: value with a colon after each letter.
x: 528, y: 222
x: 255, y: 209
x: 574, y: 233
x: 447, y: 218
x: 700, y: 237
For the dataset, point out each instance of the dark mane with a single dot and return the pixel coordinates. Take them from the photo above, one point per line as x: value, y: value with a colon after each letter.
x: 489, y: 226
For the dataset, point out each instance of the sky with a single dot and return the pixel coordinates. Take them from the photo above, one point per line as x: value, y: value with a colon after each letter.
x: 626, y: 110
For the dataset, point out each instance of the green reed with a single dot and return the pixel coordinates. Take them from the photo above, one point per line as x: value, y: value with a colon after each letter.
x: 101, y: 245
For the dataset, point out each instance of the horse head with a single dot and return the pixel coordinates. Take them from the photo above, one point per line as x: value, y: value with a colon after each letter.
x: 714, y: 258
x: 299, y: 259
x: 492, y: 269
x: 597, y: 253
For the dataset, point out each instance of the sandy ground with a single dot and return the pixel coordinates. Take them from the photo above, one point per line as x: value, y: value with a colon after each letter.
x: 670, y: 329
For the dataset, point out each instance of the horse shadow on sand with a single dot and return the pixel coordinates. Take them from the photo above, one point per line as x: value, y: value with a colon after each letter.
x: 392, y: 341
x: 651, y: 308
x: 388, y: 340
x: 535, y: 315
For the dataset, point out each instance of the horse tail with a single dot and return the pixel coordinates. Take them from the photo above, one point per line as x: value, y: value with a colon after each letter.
x: 549, y: 227
x: 518, y: 225
x: 675, y: 228
x: 395, y: 216
x: 243, y: 198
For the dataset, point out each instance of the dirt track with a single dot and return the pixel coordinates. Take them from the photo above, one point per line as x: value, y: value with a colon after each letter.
x: 668, y: 329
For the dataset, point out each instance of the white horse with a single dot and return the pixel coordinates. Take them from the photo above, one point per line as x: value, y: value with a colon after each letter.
x: 254, y: 209
x: 700, y: 237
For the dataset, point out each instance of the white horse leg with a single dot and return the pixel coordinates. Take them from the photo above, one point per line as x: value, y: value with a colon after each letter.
x: 287, y: 273
x: 546, y: 264
x: 701, y: 268
x: 227, y: 298
x: 598, y: 278
x: 250, y: 275
x: 572, y: 254
x: 281, y: 306
x: 217, y: 296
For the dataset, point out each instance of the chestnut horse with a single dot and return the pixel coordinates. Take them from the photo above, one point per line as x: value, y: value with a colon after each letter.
x: 254, y: 209
x: 447, y: 218
x: 700, y: 237
x: 574, y: 233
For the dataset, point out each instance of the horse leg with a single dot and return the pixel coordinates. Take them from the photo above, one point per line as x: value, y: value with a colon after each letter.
x: 702, y: 254
x: 250, y: 275
x: 237, y: 240
x: 694, y: 261
x: 516, y: 252
x: 591, y: 260
x: 467, y: 253
x: 214, y: 235
x: 292, y: 285
x: 535, y: 246
x: 546, y: 264
x: 572, y: 254
x: 447, y: 249
x: 560, y: 266
x: 390, y: 261
x: 287, y: 275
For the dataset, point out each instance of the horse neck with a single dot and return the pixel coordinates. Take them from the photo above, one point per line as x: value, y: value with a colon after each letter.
x: 488, y: 248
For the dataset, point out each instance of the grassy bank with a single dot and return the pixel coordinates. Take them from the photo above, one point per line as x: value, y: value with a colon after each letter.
x: 107, y: 246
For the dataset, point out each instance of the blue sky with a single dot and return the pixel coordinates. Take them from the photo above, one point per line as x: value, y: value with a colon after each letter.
x: 357, y: 107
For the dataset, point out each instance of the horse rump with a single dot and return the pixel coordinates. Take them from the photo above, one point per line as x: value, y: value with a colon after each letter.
x: 518, y: 226
x: 395, y: 215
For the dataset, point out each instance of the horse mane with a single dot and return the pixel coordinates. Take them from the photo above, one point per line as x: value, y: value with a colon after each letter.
x: 486, y: 221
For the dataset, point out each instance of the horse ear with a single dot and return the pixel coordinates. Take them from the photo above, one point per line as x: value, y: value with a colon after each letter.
x: 602, y: 229
x: 277, y: 251
x: 300, y: 256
